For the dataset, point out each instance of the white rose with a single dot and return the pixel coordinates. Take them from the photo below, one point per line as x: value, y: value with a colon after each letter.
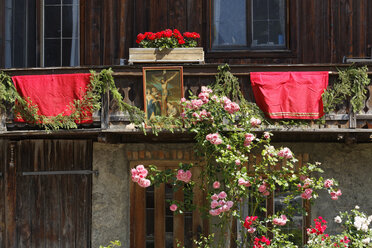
x: 338, y: 219
x: 357, y: 207
x: 366, y: 240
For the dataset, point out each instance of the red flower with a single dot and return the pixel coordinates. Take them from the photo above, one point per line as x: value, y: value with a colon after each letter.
x: 195, y: 35
x: 181, y: 41
x: 151, y: 36
x: 140, y: 37
x: 168, y: 33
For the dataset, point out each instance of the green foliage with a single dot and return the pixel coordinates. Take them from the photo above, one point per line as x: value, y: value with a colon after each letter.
x: 228, y: 85
x: 351, y: 85
x: 112, y: 244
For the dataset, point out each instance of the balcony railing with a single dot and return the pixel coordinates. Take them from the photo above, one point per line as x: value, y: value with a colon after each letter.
x: 130, y: 83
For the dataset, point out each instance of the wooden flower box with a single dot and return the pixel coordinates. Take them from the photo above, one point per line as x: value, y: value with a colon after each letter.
x: 171, y: 55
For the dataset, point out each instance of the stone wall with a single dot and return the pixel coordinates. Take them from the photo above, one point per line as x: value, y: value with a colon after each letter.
x: 351, y: 165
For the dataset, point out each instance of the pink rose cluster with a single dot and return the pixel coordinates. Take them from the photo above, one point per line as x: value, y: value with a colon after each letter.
x: 328, y: 183
x: 248, y: 139
x: 285, y: 153
x: 139, y: 175
x: 242, y: 181
x: 214, y: 138
x: 202, y: 115
x: 308, y: 192
x: 184, y: 176
x: 219, y: 204
x: 280, y: 221
x: 204, y: 94
x: 263, y: 189
x: 255, y: 122
x: 335, y: 194
x: 230, y: 106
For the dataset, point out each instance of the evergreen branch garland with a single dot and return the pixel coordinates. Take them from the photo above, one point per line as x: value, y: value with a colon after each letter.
x: 227, y: 84
x: 351, y: 85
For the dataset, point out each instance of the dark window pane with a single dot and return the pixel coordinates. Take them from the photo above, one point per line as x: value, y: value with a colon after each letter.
x: 276, y: 34
x: 274, y: 9
x: 52, y: 22
x: 260, y: 10
x: 150, y: 244
x: 188, y: 229
x: 70, y: 21
x: 229, y: 23
x: 260, y: 33
x: 48, y: 2
x: 70, y: 53
x: 168, y: 240
x: 150, y: 223
x: 52, y: 52
x: 70, y: 1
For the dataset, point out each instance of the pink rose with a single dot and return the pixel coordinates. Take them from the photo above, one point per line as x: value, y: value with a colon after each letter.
x: 222, y: 195
x: 216, y: 185
x: 255, y: 122
x: 183, y: 100
x: 328, y: 183
x: 214, y: 197
x: 204, y: 97
x: 205, y: 89
x: 266, y: 135
x: 173, y: 207
x: 144, y: 183
x: 237, y: 162
x: 280, y: 221
x: 266, y: 193
x: 228, y: 147
x: 285, y: 153
x: 252, y: 230
x: 262, y: 188
x: 184, y: 176
x: 214, y: 204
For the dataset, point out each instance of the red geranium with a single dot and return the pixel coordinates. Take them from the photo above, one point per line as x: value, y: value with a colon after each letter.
x: 167, y: 39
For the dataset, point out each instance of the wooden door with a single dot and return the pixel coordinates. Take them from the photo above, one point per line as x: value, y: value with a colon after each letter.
x: 153, y: 225
x: 48, y: 193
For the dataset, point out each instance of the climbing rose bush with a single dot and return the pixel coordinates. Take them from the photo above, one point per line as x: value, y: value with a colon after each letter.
x: 229, y: 140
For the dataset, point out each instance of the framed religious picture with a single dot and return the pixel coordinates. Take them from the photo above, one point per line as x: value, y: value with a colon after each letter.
x: 163, y: 90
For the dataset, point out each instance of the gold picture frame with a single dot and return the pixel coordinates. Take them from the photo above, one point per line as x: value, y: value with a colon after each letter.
x: 162, y: 90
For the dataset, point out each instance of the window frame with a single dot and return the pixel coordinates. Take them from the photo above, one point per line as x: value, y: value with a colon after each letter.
x: 138, y: 206
x: 288, y: 52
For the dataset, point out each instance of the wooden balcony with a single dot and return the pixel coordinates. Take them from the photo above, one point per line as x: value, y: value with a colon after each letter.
x: 343, y: 124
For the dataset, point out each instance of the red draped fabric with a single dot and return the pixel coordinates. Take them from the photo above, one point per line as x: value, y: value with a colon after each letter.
x: 53, y: 93
x: 290, y: 95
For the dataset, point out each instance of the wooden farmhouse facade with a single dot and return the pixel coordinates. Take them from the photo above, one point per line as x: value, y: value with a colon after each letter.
x: 72, y: 188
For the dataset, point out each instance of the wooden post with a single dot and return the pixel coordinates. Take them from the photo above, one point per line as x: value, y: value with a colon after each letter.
x: 105, y: 115
x: 10, y: 197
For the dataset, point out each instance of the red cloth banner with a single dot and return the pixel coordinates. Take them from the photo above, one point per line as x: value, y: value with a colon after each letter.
x: 53, y: 93
x: 290, y: 95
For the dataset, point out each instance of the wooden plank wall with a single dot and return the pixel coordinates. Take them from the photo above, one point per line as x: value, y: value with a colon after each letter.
x: 50, y: 210
x: 325, y: 30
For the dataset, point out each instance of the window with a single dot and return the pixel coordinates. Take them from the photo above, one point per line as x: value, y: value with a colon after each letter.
x: 249, y: 24
x: 153, y: 225
x: 275, y: 203
x: 61, y: 33
x: 41, y: 33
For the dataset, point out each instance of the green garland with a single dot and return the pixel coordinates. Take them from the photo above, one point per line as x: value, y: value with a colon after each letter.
x: 351, y: 85
x: 91, y: 101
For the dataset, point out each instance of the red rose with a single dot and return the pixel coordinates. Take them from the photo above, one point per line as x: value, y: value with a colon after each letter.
x: 177, y: 34
x: 181, y: 41
x: 158, y: 35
